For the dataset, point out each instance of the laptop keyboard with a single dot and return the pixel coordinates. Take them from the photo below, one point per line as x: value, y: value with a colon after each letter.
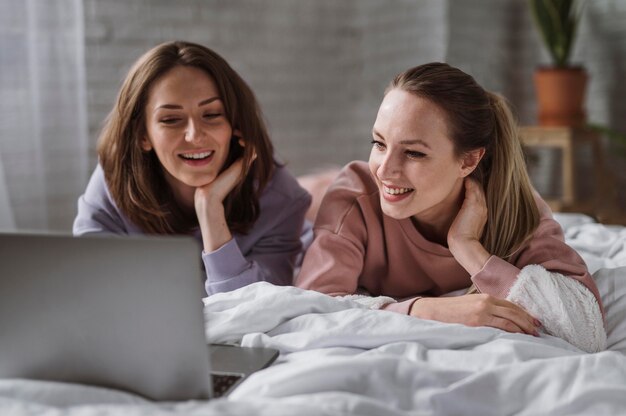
x: 223, y: 382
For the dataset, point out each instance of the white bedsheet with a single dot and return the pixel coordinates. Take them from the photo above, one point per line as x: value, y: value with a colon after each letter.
x: 601, y: 246
x: 340, y: 358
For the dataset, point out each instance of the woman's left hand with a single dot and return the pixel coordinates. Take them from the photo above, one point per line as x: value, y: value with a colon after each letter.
x: 470, y: 221
x: 467, y: 228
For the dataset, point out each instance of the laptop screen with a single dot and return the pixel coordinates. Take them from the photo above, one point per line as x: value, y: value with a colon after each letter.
x: 120, y: 312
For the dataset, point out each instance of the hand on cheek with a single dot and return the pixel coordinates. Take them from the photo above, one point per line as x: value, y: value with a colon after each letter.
x: 215, y: 192
x: 209, y: 205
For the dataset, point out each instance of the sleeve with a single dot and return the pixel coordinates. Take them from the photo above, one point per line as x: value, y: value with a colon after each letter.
x: 97, y: 213
x: 332, y: 264
x: 271, y: 259
x: 566, y: 307
x: 547, y: 249
x: 551, y: 281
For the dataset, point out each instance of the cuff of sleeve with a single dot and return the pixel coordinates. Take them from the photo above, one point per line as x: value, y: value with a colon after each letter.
x: 496, y: 277
x: 225, y: 262
x: 403, y: 307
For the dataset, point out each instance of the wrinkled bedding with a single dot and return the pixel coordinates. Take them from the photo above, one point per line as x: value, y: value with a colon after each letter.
x: 340, y: 358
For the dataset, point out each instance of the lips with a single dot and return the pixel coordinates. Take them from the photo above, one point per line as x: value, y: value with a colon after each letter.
x: 395, y: 193
x: 395, y: 190
x: 195, y: 155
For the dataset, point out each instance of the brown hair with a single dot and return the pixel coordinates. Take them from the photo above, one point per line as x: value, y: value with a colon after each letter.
x: 480, y: 119
x: 135, y: 178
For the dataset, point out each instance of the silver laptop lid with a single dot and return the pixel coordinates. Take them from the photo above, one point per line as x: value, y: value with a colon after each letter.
x: 123, y: 312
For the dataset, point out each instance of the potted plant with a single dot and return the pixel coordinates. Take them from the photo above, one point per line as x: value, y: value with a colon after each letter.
x: 560, y: 87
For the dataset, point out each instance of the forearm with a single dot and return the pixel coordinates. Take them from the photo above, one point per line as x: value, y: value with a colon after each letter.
x: 239, y: 273
x: 419, y: 308
x: 471, y: 255
x: 214, y: 228
x: 227, y: 268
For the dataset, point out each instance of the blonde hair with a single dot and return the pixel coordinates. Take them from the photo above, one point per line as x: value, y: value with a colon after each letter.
x: 480, y: 119
x: 135, y: 178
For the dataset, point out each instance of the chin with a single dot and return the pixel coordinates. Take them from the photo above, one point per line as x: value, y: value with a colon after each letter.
x: 196, y: 182
x: 395, y: 213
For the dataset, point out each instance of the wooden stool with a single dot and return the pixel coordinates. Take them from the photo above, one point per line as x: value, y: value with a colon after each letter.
x: 568, y: 140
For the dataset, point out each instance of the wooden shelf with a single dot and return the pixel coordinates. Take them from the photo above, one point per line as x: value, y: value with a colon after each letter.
x: 567, y: 141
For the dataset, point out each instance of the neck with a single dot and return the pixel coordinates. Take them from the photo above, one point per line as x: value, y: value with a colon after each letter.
x: 183, y: 195
x: 435, y: 222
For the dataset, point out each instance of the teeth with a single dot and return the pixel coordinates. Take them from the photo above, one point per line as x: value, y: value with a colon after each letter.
x: 396, y: 191
x: 196, y: 155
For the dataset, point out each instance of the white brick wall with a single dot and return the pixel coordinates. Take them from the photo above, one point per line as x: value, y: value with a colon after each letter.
x: 319, y: 67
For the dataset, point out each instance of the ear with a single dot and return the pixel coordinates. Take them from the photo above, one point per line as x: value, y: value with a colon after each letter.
x: 145, y: 144
x: 470, y: 160
x: 238, y: 135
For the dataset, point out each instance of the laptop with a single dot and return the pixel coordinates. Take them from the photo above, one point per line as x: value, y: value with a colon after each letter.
x: 119, y: 312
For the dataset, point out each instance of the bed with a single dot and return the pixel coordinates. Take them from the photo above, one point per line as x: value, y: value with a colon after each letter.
x: 338, y: 357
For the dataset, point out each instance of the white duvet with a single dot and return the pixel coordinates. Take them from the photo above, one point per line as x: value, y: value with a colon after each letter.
x: 340, y: 358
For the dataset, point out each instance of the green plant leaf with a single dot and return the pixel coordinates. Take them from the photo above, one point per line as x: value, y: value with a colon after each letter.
x: 610, y: 133
x: 557, y: 21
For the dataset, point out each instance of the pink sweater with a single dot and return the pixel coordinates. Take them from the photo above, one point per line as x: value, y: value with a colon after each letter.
x: 357, y: 246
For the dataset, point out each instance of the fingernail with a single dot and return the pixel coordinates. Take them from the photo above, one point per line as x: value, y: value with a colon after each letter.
x: 538, y: 323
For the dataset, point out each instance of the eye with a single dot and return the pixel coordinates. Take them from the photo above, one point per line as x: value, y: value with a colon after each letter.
x: 378, y: 145
x: 211, y: 116
x: 415, y: 155
x: 169, y: 120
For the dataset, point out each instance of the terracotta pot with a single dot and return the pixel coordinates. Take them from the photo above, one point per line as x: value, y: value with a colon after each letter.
x: 561, y: 96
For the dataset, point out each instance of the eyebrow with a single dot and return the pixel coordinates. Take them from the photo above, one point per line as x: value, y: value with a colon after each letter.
x: 405, y: 142
x: 177, y: 107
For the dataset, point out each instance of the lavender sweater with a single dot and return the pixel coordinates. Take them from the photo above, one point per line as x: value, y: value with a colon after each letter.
x: 267, y: 253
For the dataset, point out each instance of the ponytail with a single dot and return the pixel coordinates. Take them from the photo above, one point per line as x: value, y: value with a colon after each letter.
x: 512, y: 211
x: 480, y: 119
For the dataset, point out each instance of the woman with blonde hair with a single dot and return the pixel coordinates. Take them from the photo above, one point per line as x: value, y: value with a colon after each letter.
x: 185, y: 151
x: 445, y: 204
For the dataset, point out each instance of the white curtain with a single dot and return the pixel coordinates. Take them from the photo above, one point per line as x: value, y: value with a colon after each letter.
x: 43, y: 116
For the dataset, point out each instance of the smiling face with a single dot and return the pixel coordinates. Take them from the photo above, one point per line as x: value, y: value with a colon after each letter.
x: 187, y: 128
x: 413, y: 160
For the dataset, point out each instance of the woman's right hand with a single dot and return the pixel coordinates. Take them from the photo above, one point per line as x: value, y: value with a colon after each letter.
x: 477, y: 310
x: 209, y: 204
x: 215, y: 192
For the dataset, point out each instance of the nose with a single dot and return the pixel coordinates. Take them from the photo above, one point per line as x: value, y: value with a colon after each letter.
x: 194, y: 132
x: 389, y: 167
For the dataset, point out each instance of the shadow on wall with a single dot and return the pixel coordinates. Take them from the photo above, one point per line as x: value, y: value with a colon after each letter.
x: 616, y: 99
x: 615, y: 91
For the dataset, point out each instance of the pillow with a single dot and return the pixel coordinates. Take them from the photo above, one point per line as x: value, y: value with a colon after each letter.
x: 612, y: 286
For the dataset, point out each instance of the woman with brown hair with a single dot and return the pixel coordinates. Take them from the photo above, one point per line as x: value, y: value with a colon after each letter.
x: 445, y: 204
x: 185, y: 151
